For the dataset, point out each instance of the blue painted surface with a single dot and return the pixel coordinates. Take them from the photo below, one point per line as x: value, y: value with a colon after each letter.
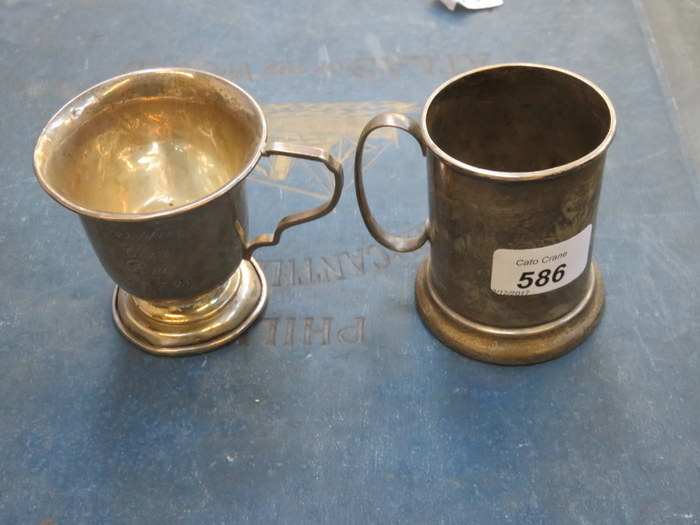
x: 304, y: 421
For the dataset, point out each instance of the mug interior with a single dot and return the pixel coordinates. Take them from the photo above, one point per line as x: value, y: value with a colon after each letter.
x: 518, y: 118
x: 150, y: 142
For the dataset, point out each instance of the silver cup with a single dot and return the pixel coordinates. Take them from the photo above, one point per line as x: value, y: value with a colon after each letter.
x: 154, y: 163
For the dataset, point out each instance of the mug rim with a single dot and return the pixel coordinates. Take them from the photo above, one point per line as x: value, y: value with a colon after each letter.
x: 90, y: 95
x: 518, y: 175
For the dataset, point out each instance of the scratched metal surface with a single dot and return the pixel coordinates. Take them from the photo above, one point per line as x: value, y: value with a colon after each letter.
x: 339, y: 407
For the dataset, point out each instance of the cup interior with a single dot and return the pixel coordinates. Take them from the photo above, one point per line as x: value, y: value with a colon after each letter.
x: 518, y: 118
x: 150, y: 142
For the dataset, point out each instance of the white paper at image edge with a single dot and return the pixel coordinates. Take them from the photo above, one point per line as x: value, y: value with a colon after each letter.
x: 472, y: 4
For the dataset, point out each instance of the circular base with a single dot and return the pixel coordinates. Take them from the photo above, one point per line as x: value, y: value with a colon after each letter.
x: 197, y: 325
x: 516, y: 346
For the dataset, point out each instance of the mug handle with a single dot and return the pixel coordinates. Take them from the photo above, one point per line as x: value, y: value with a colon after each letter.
x: 302, y: 152
x: 393, y: 242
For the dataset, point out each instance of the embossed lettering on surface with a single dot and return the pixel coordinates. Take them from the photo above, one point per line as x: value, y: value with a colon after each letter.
x: 322, y: 269
x: 362, y: 67
x: 305, y: 331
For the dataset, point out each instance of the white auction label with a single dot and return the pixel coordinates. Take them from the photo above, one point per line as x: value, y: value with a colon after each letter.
x: 540, y: 270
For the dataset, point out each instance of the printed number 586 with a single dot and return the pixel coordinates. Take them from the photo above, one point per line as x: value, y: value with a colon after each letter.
x: 543, y: 278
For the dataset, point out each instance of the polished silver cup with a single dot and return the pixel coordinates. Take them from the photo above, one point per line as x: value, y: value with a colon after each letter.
x: 515, y: 157
x: 154, y: 163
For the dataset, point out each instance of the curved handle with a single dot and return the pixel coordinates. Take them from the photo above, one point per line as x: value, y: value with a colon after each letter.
x: 393, y: 242
x: 302, y: 152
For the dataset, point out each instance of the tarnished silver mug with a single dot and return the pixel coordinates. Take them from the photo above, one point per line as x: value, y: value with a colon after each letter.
x: 154, y: 162
x: 515, y: 156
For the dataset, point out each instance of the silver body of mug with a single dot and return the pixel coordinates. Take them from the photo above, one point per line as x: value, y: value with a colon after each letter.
x: 515, y: 157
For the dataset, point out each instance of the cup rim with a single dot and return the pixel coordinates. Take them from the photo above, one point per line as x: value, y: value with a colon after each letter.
x: 90, y: 95
x: 519, y: 175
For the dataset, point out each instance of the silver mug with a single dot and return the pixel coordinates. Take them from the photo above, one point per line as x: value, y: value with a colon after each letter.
x: 515, y: 156
x: 154, y: 162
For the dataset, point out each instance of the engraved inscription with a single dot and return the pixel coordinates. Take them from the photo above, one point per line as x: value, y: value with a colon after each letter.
x: 148, y: 258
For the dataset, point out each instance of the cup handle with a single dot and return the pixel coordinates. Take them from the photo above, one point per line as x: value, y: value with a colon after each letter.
x: 302, y: 152
x: 393, y: 242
